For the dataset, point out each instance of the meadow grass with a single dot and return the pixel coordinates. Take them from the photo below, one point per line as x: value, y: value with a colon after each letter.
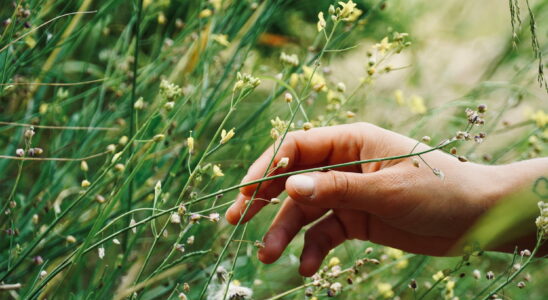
x: 126, y: 127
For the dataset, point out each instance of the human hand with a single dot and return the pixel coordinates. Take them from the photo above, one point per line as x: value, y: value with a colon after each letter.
x: 393, y: 203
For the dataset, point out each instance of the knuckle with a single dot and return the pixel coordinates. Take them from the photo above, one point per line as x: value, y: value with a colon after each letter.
x: 339, y: 183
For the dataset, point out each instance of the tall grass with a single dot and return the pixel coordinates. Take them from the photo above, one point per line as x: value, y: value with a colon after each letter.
x: 130, y: 103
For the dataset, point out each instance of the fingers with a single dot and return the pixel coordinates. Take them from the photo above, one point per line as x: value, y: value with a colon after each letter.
x: 387, y: 235
x: 369, y: 192
x: 333, y: 144
x: 288, y: 222
x: 318, y: 241
x: 237, y: 209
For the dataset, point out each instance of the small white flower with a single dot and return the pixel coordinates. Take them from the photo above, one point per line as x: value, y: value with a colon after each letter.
x: 116, y: 241
x: 101, y: 252
x: 214, y: 217
x: 283, y: 162
x: 132, y: 224
x: 175, y: 218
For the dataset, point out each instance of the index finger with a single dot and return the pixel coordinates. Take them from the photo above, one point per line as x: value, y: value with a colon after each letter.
x: 306, y: 149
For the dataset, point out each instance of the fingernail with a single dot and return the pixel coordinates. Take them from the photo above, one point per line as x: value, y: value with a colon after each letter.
x: 303, y: 185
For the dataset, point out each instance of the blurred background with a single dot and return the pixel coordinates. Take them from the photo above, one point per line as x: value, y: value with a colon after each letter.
x: 461, y: 53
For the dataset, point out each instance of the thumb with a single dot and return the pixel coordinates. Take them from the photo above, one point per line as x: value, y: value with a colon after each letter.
x: 334, y: 189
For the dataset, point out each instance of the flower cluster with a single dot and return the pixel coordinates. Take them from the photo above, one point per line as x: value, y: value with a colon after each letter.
x: 245, y: 82
x: 542, y: 220
x: 170, y: 91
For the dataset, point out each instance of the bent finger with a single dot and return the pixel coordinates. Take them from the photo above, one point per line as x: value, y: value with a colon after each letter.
x: 288, y: 222
x: 319, y: 240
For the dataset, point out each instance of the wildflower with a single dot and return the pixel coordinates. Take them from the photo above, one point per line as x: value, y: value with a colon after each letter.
x: 371, y: 71
x: 542, y: 220
x: 182, y: 296
x: 116, y: 241
x: 368, y: 250
x: 100, y: 199
x: 438, y: 173
x: 416, y: 163
x: 175, y: 218
x: 181, y: 210
x: 119, y: 167
x: 482, y: 108
x: 29, y: 133
x: 321, y: 22
x: 35, y: 151
x: 139, y: 104
x: 383, y: 46
x: 186, y: 287
x: 169, y: 90
x: 413, y: 284
x: 259, y: 244
x: 284, y: 161
x: 101, y: 251
x: 20, y: 152
x: 35, y: 219
x: 274, y: 134
x: 438, y: 276
x: 194, y: 218
x: 279, y: 125
x: 158, y: 138
x: 246, y: 81
x: 190, y: 145
x: 341, y: 87
x: 85, y: 183
x: 71, y: 239
x: 161, y: 18
x: 205, y: 13
x: 226, y: 136
x: 449, y: 289
x: 43, y: 274
x: 275, y: 201
x: 540, y: 118
x: 214, y: 217
x: 490, y: 275
x: 350, y: 114
x: 111, y: 148
x: 133, y: 225
x: 222, y: 39
x: 385, y: 290
x: 289, y: 59
x: 316, y: 79
x: 116, y: 156
x: 521, y: 284
x: 190, y: 240
x: 169, y: 106
x: 307, y: 126
x: 417, y: 105
x: 334, y: 289
x: 426, y: 139
x: 288, y: 97
x: 346, y: 9
x: 476, y: 274
x: 525, y: 252
x: 38, y: 260
x: 334, y: 261
x: 235, y: 291
x: 217, y: 172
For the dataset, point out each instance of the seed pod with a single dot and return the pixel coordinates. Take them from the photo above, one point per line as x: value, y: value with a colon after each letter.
x: 462, y: 159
